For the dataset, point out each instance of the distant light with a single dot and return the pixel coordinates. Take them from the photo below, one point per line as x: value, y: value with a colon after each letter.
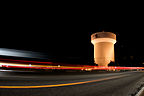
x: 5, y: 70
x: 88, y: 69
x: 20, y: 53
x: 12, y: 52
x: 58, y: 65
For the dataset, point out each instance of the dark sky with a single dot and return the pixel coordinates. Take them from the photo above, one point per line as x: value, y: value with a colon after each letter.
x: 68, y: 35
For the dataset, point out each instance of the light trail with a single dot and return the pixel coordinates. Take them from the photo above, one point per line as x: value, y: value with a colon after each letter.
x: 87, y: 68
x: 9, y: 63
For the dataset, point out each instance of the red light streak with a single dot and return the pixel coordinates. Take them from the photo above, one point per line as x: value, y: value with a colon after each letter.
x: 24, y: 61
x: 52, y: 65
x: 76, y: 68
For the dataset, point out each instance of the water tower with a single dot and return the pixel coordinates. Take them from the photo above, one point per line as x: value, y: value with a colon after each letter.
x: 103, y: 47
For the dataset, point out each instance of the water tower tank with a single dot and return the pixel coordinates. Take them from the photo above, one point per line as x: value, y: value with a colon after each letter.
x: 103, y: 47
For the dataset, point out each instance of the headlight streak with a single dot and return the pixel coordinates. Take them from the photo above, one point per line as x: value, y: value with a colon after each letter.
x: 86, y: 68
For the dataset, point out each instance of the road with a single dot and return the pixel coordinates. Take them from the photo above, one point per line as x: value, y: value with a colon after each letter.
x: 70, y: 84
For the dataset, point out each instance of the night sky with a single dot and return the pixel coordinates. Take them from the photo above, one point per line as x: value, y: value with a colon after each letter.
x: 68, y: 35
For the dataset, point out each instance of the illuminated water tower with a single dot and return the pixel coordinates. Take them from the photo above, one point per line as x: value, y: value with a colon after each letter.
x: 103, y: 47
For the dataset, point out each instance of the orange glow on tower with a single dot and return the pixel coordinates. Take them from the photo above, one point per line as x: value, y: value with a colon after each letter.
x: 103, y: 47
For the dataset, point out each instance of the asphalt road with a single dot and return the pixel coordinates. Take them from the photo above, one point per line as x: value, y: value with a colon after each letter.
x: 70, y: 84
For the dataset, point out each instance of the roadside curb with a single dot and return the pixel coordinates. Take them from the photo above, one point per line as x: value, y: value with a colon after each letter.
x: 140, y: 92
